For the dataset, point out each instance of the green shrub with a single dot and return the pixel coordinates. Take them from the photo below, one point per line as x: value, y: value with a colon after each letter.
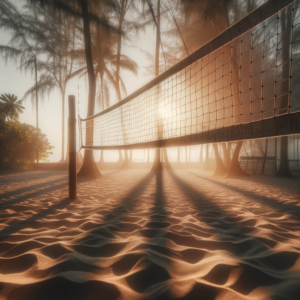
x: 19, y: 143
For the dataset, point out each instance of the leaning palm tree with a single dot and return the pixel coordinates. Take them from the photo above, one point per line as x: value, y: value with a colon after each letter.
x: 105, y: 63
x: 84, y: 10
x: 12, y: 106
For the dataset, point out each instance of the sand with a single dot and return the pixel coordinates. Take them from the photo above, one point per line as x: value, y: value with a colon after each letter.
x: 134, y: 235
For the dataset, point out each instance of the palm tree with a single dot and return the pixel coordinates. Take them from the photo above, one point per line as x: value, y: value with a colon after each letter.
x: 107, y: 66
x: 41, y: 39
x: 215, y: 14
x: 105, y: 63
x: 19, y: 46
x: 54, y: 36
x: 123, y: 8
x: 12, y: 106
x: 84, y: 10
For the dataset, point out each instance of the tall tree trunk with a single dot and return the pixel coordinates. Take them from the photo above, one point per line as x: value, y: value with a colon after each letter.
x: 226, y: 151
x: 284, y: 169
x: 101, y: 160
x: 220, y: 169
x: 63, y: 127
x: 125, y: 164
x: 122, y: 12
x: 120, y: 157
x: 89, y: 167
x: 130, y: 156
x: 186, y: 156
x: 157, y: 163
x: 206, y: 162
x: 148, y: 158
x: 167, y: 164
x: 119, y: 97
x: 37, y: 107
x: 235, y: 169
x: 265, y: 158
x: 201, y: 156
x: 67, y: 152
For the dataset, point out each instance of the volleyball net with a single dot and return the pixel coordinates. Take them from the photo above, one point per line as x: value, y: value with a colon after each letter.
x: 243, y: 84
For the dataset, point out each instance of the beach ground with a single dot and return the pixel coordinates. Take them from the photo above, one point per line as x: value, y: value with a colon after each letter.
x: 179, y: 234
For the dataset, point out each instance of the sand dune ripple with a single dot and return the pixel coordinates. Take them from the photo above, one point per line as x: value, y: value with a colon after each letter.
x: 136, y: 235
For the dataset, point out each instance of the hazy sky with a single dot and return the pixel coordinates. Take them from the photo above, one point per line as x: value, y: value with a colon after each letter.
x: 13, y: 81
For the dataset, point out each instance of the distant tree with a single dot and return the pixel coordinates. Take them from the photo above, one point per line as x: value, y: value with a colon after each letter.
x: 11, y: 107
x: 18, y: 144
x: 40, y: 40
x: 53, y: 37
x: 19, y: 46
x: 216, y: 16
x: 19, y: 141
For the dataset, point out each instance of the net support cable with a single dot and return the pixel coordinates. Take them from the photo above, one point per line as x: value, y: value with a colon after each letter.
x: 243, y: 84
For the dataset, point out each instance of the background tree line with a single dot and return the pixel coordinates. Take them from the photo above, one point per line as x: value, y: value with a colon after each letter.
x: 62, y: 39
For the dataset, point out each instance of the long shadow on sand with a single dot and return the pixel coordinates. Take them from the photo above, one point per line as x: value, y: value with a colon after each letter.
x: 260, y: 265
x: 114, y: 218
x: 40, y: 192
x: 29, y: 188
x: 5, y: 177
x: 28, y: 222
x: 152, y: 278
x: 98, y: 243
x: 292, y: 210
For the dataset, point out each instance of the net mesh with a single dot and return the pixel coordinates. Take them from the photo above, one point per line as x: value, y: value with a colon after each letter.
x: 253, y: 77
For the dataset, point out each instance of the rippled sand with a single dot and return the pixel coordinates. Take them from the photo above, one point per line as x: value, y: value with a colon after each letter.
x: 135, y: 235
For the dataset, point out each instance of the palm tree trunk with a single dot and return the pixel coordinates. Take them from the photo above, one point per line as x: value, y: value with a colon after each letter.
x: 220, y: 169
x: 89, y: 167
x: 167, y: 163
x: 157, y: 163
x: 284, y: 169
x: 125, y: 164
x: 130, y: 156
x: 67, y: 152
x: 265, y: 158
x: 119, y: 50
x: 101, y: 160
x: 186, y: 156
x: 201, y: 156
x: 37, y: 107
x: 226, y: 151
x: 206, y: 163
x: 235, y: 169
x: 148, y: 158
x: 120, y: 156
x: 63, y: 127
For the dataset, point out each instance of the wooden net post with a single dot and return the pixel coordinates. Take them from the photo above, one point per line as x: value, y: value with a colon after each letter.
x: 72, y: 148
